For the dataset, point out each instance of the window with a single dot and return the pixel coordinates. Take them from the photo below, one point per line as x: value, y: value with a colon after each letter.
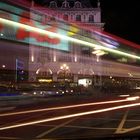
x: 65, y: 17
x: 78, y: 17
x: 53, y: 4
x: 65, y: 4
x: 91, y: 18
x: 77, y: 5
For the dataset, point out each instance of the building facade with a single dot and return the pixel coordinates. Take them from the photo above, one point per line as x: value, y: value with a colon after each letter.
x: 58, y: 44
x: 56, y: 63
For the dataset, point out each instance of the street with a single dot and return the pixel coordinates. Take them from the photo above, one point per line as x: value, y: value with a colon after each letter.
x: 73, y: 118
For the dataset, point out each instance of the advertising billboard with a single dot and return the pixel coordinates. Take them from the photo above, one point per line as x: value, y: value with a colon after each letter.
x: 32, y: 19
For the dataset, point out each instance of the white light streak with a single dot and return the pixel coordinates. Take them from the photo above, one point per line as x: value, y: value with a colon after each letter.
x: 132, y: 98
x: 75, y: 58
x: 70, y: 106
x: 127, y: 95
x: 32, y: 58
x: 54, y: 58
x: 69, y: 116
x: 35, y: 29
x: 37, y: 72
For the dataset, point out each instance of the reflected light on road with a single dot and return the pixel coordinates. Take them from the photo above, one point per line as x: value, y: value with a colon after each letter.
x: 132, y: 98
x: 70, y: 106
x: 69, y: 116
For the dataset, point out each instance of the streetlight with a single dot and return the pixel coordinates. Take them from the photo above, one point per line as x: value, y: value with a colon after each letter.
x: 3, y: 66
x: 64, y: 68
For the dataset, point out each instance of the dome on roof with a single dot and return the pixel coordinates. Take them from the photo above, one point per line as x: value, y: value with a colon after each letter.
x: 77, y: 4
x: 53, y: 4
x: 65, y: 4
x: 71, y: 3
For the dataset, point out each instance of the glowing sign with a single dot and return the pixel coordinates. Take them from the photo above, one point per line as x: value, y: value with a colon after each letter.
x: 105, y: 40
x: 82, y: 42
x: 19, y: 70
x: 22, y: 35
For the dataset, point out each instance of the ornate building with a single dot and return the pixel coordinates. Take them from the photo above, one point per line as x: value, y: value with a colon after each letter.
x: 58, y: 43
x: 42, y: 64
x: 75, y: 11
x: 47, y: 56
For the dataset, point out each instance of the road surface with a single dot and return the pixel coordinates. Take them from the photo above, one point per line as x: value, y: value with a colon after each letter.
x: 71, y: 118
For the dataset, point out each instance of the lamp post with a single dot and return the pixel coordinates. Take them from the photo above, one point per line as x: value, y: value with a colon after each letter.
x: 64, y: 68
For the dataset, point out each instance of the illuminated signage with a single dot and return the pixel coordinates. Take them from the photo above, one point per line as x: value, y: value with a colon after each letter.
x: 20, y: 73
x: 34, y: 20
x: 45, y: 80
x: 105, y: 40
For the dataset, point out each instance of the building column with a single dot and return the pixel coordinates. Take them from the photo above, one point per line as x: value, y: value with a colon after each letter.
x: 97, y: 80
x: 75, y: 78
x: 54, y: 77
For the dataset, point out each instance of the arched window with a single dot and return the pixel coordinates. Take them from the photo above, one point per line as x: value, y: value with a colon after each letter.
x: 65, y: 4
x: 77, y: 4
x: 91, y: 18
x: 65, y: 17
x: 53, y: 4
x: 78, y: 17
x: 45, y: 72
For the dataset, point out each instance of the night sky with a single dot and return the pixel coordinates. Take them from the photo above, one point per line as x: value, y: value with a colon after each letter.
x: 121, y: 17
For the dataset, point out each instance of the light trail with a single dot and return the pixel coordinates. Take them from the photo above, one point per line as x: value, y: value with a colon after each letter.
x: 69, y: 116
x: 70, y: 106
x: 127, y: 95
x: 52, y: 34
x: 132, y: 98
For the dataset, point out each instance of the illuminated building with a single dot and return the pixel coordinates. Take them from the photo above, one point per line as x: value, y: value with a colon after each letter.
x: 47, y: 61
x: 64, y: 45
x: 74, y: 12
